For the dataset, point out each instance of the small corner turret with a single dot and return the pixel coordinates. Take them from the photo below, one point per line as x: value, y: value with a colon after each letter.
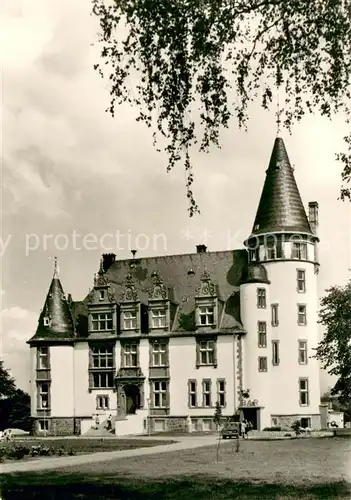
x: 55, y: 321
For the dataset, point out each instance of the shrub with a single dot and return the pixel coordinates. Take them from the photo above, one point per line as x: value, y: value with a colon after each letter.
x: 274, y: 428
x: 296, y: 427
x: 71, y: 452
x: 17, y: 452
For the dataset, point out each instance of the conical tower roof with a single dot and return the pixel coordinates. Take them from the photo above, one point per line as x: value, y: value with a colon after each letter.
x: 55, y: 321
x: 280, y: 207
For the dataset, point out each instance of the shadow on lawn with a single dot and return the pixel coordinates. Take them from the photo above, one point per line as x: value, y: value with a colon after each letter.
x: 199, y: 488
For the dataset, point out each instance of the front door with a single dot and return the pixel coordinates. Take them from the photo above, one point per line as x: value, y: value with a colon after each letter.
x: 132, y: 394
x: 251, y: 415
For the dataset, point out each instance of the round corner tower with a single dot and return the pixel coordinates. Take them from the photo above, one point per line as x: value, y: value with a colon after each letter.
x: 279, y: 302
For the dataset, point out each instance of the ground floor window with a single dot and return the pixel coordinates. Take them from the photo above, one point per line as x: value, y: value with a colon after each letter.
x: 305, y: 422
x: 43, y: 425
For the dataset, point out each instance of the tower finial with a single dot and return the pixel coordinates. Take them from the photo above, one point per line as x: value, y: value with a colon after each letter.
x: 56, y: 268
x: 278, y: 113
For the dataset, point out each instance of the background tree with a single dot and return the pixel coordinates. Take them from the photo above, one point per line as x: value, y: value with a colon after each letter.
x: 189, y: 66
x: 334, y: 351
x: 14, y: 403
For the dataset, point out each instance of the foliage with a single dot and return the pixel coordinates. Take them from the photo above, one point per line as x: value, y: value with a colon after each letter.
x: 273, y: 429
x: 189, y: 66
x: 7, y: 383
x: 296, y: 427
x: 334, y: 350
x: 218, y: 415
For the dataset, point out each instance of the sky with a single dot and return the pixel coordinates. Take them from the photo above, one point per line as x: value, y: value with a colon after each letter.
x: 70, y: 171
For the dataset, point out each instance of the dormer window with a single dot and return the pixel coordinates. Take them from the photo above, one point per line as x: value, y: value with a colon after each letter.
x: 46, y: 321
x: 102, y: 321
x: 102, y: 294
x: 206, y: 315
x: 299, y: 251
x: 158, y: 318
x: 129, y: 320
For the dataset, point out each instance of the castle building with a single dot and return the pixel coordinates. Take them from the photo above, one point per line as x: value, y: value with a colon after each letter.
x: 159, y: 341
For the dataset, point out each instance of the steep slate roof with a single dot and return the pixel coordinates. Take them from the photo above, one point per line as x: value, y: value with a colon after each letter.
x: 225, y: 270
x: 280, y: 207
x: 57, y: 309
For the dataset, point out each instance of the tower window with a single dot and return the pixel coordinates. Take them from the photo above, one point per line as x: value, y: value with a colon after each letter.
x: 303, y: 352
x: 192, y: 390
x: 262, y: 334
x: 301, y: 280
x: 262, y: 364
x: 299, y: 251
x: 43, y: 358
x: 46, y: 321
x: 275, y: 352
x: 206, y: 393
x: 303, y: 392
x: 271, y: 248
x: 43, y: 395
x: 221, y: 392
x: 261, y: 298
x: 275, y: 317
x: 301, y: 314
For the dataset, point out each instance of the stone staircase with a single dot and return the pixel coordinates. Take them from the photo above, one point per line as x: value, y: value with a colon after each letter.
x: 101, y: 431
x: 132, y: 425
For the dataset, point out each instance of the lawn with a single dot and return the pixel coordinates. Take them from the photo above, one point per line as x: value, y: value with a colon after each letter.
x: 81, y: 446
x: 306, y: 468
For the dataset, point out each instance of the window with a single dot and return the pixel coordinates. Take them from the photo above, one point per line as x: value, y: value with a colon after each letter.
x: 301, y: 314
x: 221, y: 392
x: 160, y: 393
x: 270, y: 248
x: 102, y: 294
x: 301, y: 280
x: 262, y: 334
x: 159, y: 354
x: 43, y: 358
x: 43, y: 425
x: 275, y: 352
x: 206, y: 315
x: 279, y: 249
x: 253, y: 255
x: 102, y: 402
x: 207, y: 352
x: 129, y: 320
x: 303, y: 392
x: 206, y: 393
x: 261, y: 298
x: 102, y: 321
x: 262, y: 364
x: 158, y: 318
x: 305, y: 422
x: 102, y: 356
x: 103, y: 380
x: 43, y: 392
x: 299, y: 251
x: 192, y: 391
x: 303, y: 352
x: 275, y: 317
x: 130, y: 355
x: 46, y: 321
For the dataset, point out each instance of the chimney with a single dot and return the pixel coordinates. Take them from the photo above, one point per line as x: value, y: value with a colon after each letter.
x: 201, y: 248
x: 313, y: 215
x: 107, y: 260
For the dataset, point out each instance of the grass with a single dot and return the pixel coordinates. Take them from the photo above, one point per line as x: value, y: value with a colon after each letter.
x: 83, y: 446
x: 307, y: 469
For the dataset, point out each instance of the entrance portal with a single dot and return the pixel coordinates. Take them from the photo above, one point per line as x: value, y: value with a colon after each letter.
x: 132, y: 393
x: 252, y: 415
